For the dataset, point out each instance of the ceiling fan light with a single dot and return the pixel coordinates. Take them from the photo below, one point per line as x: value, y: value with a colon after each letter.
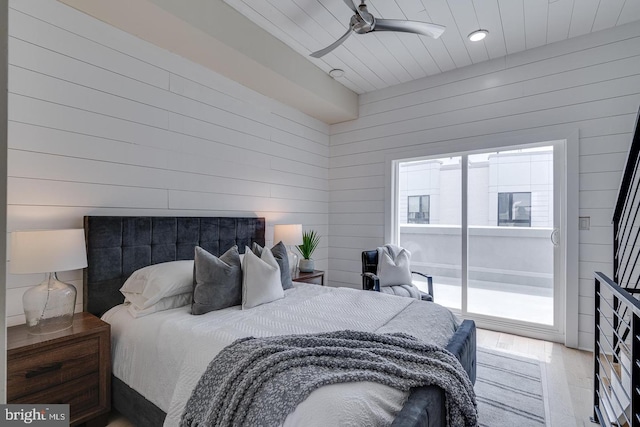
x: 336, y: 73
x: 478, y: 35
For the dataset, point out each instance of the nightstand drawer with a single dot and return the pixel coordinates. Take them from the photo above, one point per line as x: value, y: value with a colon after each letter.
x: 51, y: 366
x: 82, y: 394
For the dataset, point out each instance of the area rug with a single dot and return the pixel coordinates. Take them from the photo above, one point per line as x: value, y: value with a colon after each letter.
x: 509, y: 390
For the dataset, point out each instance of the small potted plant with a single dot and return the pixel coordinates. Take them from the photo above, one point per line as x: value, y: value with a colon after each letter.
x: 310, y: 240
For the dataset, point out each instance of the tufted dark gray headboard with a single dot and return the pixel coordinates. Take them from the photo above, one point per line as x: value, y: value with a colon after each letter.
x: 117, y: 246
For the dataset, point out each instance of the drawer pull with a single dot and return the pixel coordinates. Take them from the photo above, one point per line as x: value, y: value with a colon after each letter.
x: 43, y: 370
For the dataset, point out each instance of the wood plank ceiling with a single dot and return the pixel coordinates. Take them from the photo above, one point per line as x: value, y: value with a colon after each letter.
x: 378, y: 60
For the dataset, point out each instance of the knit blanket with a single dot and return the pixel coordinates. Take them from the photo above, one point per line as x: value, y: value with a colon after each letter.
x: 259, y: 381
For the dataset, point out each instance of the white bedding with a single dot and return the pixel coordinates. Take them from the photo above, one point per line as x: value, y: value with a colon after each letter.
x: 163, y: 355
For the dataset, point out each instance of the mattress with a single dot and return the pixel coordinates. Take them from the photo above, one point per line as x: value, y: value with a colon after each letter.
x: 162, y: 356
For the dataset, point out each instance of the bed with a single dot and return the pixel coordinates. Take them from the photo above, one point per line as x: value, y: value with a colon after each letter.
x: 118, y: 246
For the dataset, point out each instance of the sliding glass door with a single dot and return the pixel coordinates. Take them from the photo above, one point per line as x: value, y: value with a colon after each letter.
x: 485, y: 225
x: 434, y: 243
x: 510, y: 225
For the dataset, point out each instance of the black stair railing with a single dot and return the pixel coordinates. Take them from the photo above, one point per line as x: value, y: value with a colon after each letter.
x: 616, y: 371
x: 616, y: 366
x: 626, y: 230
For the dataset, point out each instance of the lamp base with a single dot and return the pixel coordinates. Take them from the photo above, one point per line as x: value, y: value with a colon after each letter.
x: 51, y: 325
x: 49, y: 306
x: 293, y: 261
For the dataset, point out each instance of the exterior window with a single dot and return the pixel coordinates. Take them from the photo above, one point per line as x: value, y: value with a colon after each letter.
x: 418, y: 210
x: 514, y: 209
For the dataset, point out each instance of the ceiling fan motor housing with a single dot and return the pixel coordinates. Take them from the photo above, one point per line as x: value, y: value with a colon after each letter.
x: 361, y: 26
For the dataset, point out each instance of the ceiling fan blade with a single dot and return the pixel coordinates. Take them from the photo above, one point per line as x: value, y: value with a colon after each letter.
x: 351, y: 5
x: 417, y: 27
x: 335, y: 44
x: 361, y: 11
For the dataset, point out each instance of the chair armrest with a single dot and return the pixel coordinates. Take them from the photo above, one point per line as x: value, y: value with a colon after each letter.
x: 374, y: 279
x: 429, y: 281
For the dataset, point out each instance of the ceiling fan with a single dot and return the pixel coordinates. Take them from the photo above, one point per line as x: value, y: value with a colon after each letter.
x: 363, y: 22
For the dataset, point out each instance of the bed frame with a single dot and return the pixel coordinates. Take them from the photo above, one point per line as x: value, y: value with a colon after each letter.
x: 118, y: 246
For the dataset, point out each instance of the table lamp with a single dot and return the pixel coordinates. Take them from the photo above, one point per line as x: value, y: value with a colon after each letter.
x: 49, y: 306
x: 290, y: 235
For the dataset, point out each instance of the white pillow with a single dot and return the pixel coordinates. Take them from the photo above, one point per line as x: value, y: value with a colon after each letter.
x: 166, y: 303
x: 260, y: 279
x: 394, y: 267
x: 148, y: 285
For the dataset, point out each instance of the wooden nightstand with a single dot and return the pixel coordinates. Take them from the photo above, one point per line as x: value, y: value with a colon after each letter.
x: 71, y: 366
x: 316, y: 277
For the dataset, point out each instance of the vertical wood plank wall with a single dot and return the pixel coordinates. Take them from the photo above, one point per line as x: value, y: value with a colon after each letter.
x: 103, y: 123
x: 590, y: 83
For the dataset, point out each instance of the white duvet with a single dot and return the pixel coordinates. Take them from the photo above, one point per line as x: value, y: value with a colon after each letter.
x: 163, y: 355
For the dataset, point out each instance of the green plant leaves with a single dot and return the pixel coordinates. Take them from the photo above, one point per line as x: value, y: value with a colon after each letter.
x: 310, y: 241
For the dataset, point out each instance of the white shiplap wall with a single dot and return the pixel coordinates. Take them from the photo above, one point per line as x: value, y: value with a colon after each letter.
x: 103, y: 123
x: 590, y: 84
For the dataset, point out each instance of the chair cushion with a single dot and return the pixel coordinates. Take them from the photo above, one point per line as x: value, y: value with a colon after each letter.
x: 394, y: 266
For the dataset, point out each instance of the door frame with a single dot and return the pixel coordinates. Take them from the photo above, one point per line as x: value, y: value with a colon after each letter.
x: 568, y: 207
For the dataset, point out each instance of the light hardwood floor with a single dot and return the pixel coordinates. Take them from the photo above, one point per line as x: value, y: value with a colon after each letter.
x: 568, y: 373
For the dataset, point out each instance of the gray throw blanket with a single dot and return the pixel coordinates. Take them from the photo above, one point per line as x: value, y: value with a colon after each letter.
x: 259, y: 381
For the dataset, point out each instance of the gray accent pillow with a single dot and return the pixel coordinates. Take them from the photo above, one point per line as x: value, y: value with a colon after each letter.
x: 279, y: 251
x: 217, y: 281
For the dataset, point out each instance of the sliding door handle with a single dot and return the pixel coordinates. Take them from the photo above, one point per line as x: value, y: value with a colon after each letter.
x: 555, y: 237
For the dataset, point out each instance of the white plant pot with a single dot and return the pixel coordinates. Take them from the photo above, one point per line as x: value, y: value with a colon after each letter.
x: 306, y: 265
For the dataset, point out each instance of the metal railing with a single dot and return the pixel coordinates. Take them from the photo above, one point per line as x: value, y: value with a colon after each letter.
x: 616, y: 361
x: 616, y: 356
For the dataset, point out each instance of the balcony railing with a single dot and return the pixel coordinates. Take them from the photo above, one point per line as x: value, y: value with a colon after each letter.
x: 512, y: 264
x: 509, y: 255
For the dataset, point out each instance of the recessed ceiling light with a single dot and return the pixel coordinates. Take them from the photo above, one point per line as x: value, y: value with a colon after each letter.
x: 336, y: 73
x: 478, y: 35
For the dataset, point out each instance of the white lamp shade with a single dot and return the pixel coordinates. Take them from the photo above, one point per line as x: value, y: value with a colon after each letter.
x: 46, y: 251
x: 289, y: 234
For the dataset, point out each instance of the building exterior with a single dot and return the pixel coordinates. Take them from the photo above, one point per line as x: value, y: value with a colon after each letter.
x: 513, y: 188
